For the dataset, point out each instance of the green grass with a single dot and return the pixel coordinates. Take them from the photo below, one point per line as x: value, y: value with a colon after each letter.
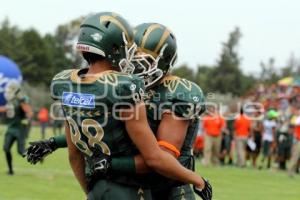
x: 54, y: 180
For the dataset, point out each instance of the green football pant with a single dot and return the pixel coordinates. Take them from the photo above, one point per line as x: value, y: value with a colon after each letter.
x: 183, y: 192
x: 108, y: 190
x: 10, y: 139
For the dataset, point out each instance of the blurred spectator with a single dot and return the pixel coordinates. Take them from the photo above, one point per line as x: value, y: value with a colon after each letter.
x: 296, y: 147
x: 199, y: 142
x: 213, y: 125
x: 227, y: 138
x: 242, y: 127
x: 58, y: 121
x: 256, y: 136
x: 284, y: 138
x: 43, y: 118
x: 269, y: 131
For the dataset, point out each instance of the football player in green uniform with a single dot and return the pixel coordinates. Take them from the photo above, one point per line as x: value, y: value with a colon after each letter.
x: 105, y: 112
x: 18, y: 112
x: 173, y: 108
x: 173, y: 105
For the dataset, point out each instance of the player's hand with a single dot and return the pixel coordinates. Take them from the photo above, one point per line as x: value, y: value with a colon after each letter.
x: 100, y: 162
x: 39, y: 150
x: 206, y: 192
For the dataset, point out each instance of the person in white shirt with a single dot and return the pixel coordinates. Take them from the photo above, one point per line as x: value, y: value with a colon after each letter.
x: 269, y: 131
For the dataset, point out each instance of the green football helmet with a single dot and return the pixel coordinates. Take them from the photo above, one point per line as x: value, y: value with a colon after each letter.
x: 11, y: 91
x: 107, y: 34
x: 156, y: 52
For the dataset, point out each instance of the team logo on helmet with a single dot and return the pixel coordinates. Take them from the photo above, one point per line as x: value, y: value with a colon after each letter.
x: 97, y: 37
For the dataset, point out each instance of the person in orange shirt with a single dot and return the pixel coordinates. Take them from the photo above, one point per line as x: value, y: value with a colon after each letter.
x: 43, y: 117
x: 213, y: 125
x: 242, y: 127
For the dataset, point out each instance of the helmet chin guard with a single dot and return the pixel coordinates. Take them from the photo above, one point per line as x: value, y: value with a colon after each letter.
x: 146, y: 67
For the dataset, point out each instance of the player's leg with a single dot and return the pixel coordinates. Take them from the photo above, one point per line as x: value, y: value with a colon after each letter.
x: 107, y: 190
x: 8, y: 142
x: 21, y: 142
x: 181, y: 192
x: 27, y: 129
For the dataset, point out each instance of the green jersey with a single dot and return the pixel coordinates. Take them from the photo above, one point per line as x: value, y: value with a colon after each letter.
x: 183, y: 98
x: 186, y: 100
x: 91, y: 105
x: 16, y: 117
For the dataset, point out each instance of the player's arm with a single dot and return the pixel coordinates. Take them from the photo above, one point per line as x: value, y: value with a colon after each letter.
x: 76, y: 160
x: 38, y: 150
x: 27, y: 109
x: 161, y: 161
x: 170, y: 136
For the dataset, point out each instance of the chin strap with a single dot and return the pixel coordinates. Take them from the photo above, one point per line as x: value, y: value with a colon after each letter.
x: 170, y: 147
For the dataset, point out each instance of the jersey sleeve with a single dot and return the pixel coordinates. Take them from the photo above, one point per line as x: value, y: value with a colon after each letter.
x: 130, y: 91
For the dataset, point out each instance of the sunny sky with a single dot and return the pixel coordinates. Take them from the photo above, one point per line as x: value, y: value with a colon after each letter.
x: 270, y: 28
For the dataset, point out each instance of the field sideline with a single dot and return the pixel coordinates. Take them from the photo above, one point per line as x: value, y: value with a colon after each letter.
x: 54, y: 180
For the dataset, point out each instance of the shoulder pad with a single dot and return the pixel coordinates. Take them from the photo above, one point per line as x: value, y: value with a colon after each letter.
x: 63, y: 75
x: 188, y: 95
x: 183, y: 90
x: 58, y: 82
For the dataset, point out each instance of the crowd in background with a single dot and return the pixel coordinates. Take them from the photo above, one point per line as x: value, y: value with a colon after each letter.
x: 264, y: 130
x: 45, y: 120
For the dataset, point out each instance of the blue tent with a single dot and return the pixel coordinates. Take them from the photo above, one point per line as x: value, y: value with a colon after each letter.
x: 9, y: 70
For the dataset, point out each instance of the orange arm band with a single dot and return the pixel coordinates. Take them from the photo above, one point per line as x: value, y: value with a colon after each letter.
x: 170, y: 147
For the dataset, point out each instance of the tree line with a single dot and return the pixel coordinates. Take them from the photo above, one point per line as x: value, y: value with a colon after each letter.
x: 40, y: 57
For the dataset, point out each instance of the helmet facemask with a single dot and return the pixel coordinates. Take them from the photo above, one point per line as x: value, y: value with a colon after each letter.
x: 146, y: 67
x: 11, y: 91
x: 125, y: 64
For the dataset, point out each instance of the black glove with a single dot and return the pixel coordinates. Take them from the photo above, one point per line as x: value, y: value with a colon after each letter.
x: 39, y: 150
x: 100, y: 162
x: 206, y: 192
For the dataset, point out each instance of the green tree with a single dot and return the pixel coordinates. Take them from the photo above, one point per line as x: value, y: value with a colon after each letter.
x: 66, y: 35
x: 10, y: 44
x: 269, y: 74
x: 39, y: 57
x: 203, y: 77
x: 227, y: 77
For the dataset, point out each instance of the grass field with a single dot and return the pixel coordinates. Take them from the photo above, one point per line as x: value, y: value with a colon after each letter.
x: 54, y: 180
